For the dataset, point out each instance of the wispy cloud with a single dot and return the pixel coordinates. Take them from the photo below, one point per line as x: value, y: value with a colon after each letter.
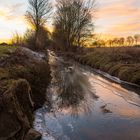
x: 12, y: 19
x: 11, y: 12
x: 115, y: 17
x: 119, y: 17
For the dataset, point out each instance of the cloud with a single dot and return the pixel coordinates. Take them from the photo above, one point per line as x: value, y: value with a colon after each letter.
x: 125, y: 29
x: 16, y: 7
x: 11, y: 12
x: 118, y: 17
x: 12, y: 19
x: 118, y: 11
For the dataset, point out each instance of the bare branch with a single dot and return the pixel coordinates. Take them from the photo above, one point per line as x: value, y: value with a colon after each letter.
x: 37, y: 16
x: 73, y: 21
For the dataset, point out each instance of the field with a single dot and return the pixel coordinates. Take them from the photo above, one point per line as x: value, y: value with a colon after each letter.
x: 6, y: 49
x: 120, y: 62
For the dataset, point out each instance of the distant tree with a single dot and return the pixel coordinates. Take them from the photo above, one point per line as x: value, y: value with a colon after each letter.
x: 130, y: 40
x: 110, y: 42
x: 73, y: 22
x: 95, y: 43
x: 99, y: 43
x: 3, y: 44
x: 37, y: 15
x: 122, y: 40
x: 137, y: 37
x: 115, y: 41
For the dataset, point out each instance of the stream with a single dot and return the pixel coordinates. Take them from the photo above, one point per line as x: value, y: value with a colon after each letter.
x: 86, y: 106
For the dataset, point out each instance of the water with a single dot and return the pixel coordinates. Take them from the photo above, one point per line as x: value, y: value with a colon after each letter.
x: 114, y: 115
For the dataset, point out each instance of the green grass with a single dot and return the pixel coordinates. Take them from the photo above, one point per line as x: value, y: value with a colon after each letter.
x: 6, y: 49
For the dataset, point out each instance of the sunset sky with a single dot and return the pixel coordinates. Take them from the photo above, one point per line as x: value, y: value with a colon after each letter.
x: 113, y: 17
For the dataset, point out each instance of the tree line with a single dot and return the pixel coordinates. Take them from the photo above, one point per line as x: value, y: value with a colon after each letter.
x: 73, y: 23
x: 115, y: 42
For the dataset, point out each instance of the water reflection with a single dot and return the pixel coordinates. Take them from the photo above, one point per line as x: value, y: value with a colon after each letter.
x: 76, y: 112
x: 70, y: 89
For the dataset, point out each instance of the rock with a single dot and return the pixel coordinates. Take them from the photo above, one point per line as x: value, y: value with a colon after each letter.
x: 33, y: 135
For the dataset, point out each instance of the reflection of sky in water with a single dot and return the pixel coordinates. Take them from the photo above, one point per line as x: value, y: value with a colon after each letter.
x: 87, y: 121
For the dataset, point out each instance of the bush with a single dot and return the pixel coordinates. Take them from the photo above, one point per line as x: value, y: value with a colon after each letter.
x: 37, y: 42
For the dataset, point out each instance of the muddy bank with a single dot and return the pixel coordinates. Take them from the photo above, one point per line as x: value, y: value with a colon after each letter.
x: 24, y: 77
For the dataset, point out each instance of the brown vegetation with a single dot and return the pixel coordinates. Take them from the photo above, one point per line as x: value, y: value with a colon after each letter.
x: 120, y: 62
x: 24, y: 76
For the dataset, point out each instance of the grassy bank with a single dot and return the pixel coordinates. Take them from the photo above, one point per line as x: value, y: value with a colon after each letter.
x: 24, y: 77
x: 6, y: 49
x: 123, y: 63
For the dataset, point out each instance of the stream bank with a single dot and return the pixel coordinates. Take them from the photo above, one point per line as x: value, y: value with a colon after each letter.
x: 24, y: 77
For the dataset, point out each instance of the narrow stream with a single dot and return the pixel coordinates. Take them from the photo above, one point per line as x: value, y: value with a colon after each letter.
x: 94, y: 108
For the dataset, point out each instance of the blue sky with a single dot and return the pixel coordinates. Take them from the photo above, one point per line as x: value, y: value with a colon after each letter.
x: 114, y: 17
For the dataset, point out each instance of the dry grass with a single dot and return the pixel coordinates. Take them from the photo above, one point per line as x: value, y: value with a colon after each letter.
x: 6, y: 49
x: 120, y: 62
x: 21, y: 65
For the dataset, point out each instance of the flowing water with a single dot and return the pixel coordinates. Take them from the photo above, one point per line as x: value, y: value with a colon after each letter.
x: 85, y: 106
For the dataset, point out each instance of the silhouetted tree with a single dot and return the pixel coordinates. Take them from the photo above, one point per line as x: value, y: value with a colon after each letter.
x: 137, y: 37
x: 109, y: 42
x: 37, y: 15
x: 115, y: 41
x: 73, y: 22
x: 130, y: 40
x: 122, y: 40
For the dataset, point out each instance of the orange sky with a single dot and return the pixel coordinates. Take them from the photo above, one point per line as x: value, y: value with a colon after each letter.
x: 113, y: 17
x: 118, y: 17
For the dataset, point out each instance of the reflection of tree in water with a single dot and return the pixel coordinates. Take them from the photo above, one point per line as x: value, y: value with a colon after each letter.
x: 72, y: 88
x: 75, y: 91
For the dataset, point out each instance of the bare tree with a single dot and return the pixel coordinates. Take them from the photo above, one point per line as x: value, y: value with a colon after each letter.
x: 109, y: 43
x: 73, y: 21
x: 137, y: 37
x: 130, y: 40
x: 37, y: 15
x: 115, y: 41
x: 122, y: 40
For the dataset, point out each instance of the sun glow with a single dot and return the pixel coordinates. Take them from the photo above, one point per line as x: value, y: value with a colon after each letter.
x: 113, y: 18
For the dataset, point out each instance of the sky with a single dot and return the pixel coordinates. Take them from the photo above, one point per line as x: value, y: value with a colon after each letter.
x: 113, y: 17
